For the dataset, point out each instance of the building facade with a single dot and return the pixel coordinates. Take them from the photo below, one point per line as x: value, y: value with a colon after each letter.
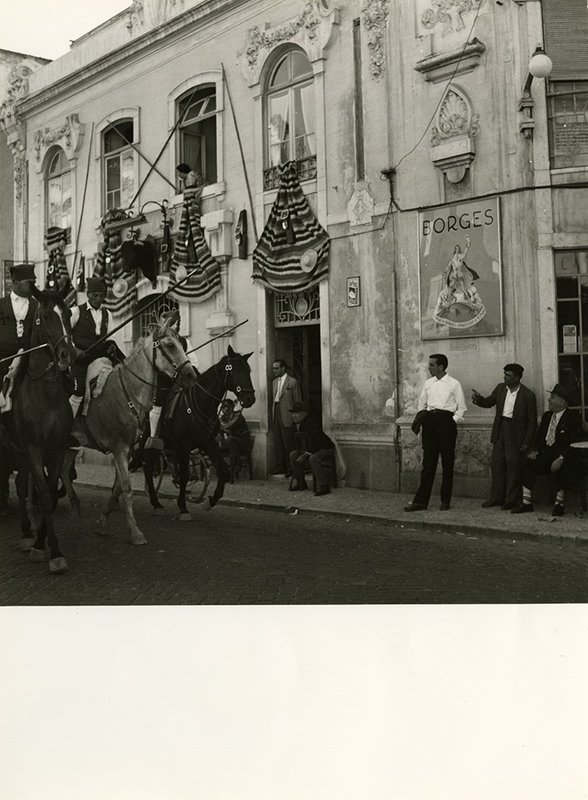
x: 453, y: 192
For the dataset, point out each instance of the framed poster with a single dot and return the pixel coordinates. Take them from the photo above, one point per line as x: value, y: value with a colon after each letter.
x: 353, y: 292
x: 460, y: 270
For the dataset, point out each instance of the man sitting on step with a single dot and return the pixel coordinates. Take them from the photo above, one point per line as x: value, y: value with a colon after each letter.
x: 314, y: 449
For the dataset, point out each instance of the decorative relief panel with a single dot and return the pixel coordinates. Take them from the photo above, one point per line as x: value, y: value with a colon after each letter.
x: 312, y: 30
x: 68, y: 136
x: 448, y: 15
x: 452, y: 137
x: 146, y: 14
x: 375, y: 20
x: 18, y: 88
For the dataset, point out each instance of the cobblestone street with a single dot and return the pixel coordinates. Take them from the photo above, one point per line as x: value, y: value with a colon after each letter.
x: 235, y: 555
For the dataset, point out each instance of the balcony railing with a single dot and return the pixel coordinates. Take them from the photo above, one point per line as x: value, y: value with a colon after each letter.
x: 305, y: 169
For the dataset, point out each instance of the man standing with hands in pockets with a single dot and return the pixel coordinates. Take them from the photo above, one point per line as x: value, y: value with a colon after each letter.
x: 441, y: 405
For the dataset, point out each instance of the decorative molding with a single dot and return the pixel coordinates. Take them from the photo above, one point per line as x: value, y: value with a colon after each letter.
x: 312, y: 30
x: 375, y: 20
x: 68, y: 137
x: 441, y: 66
x: 10, y: 122
x: 146, y: 14
x: 18, y: 154
x: 218, y: 226
x: 360, y: 208
x: 452, y: 138
x: 449, y: 14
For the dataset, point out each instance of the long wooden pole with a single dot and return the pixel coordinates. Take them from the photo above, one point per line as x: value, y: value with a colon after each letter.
x: 219, y: 336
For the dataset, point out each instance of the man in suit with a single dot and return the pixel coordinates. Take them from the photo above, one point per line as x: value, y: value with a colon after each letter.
x: 313, y: 448
x: 558, y: 429
x: 285, y: 392
x: 512, y: 434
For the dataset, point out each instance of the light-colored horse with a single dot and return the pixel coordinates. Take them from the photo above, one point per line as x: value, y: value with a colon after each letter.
x: 115, y: 418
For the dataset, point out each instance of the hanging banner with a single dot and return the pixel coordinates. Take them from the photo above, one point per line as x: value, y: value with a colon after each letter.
x: 460, y: 270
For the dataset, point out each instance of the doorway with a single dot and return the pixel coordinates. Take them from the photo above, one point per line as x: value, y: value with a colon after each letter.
x: 300, y: 347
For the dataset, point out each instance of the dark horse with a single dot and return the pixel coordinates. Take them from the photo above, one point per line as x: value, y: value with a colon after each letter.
x: 115, y: 418
x: 41, y: 423
x: 194, y: 424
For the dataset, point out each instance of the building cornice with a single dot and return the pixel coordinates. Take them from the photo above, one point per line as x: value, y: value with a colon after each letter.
x: 97, y: 69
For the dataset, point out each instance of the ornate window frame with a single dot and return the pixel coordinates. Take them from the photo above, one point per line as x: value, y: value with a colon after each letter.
x: 130, y: 112
x: 51, y: 154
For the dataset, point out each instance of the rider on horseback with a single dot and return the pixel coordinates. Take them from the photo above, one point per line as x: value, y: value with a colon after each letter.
x: 91, y: 322
x: 17, y: 312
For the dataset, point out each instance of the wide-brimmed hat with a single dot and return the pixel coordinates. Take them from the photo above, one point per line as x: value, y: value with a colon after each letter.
x: 298, y: 407
x: 23, y: 272
x: 562, y: 392
x: 97, y: 285
x: 308, y: 260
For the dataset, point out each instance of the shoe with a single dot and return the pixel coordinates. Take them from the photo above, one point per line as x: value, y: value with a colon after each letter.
x: 507, y: 506
x: 297, y: 487
x: 415, y: 507
x: 490, y: 504
x: 444, y: 507
x: 522, y: 508
x: 322, y: 490
x: 558, y: 510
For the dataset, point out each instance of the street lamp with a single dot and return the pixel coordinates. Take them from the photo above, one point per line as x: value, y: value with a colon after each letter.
x: 540, y: 66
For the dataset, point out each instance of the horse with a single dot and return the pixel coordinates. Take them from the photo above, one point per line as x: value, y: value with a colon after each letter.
x: 41, y: 423
x: 194, y: 424
x: 115, y: 417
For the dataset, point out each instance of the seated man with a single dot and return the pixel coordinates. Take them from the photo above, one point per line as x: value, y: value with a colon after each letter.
x: 234, y: 436
x: 313, y: 449
x: 164, y: 385
x: 551, y: 451
x: 91, y: 322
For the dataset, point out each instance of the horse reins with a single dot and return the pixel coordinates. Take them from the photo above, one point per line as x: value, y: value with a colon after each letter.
x: 53, y: 347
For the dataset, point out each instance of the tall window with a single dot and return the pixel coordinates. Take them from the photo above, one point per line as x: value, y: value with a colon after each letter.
x: 118, y: 161
x: 197, y: 110
x: 571, y: 273
x: 568, y: 123
x: 290, y: 110
x: 58, y: 191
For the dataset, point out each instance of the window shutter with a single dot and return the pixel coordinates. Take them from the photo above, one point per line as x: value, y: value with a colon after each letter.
x: 565, y: 25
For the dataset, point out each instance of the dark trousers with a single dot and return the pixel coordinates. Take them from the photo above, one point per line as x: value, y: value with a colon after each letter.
x: 439, y: 433
x: 506, y: 466
x: 318, y: 462
x: 283, y: 436
x: 564, y: 478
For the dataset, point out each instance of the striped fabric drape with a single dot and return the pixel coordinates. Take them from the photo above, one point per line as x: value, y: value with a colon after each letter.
x: 57, y: 273
x: 121, y: 283
x: 191, y: 251
x: 293, y: 251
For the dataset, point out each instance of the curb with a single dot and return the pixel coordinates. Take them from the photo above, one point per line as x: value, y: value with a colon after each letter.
x: 457, y: 529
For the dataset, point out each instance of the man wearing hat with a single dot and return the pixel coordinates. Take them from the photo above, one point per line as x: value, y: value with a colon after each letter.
x: 314, y: 449
x: 17, y: 311
x: 90, y: 322
x: 558, y: 429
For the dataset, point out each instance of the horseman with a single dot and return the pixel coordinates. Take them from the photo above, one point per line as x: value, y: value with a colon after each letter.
x: 164, y: 385
x: 91, y: 323
x: 17, y: 312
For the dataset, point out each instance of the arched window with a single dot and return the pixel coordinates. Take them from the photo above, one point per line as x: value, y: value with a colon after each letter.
x: 197, y: 110
x: 290, y: 110
x: 58, y: 200
x: 118, y: 165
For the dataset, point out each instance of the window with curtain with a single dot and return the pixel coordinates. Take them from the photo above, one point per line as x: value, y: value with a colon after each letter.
x: 58, y: 199
x: 289, y: 115
x: 118, y: 165
x: 197, y: 112
x: 568, y: 123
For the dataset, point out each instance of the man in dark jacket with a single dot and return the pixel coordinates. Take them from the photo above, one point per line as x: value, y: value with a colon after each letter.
x: 558, y: 429
x: 512, y: 435
x: 313, y: 448
x: 17, y: 311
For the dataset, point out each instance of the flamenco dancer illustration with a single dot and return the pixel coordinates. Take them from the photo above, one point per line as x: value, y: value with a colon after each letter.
x: 459, y: 304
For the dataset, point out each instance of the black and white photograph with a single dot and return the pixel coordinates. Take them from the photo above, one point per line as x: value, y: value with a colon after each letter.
x: 294, y: 399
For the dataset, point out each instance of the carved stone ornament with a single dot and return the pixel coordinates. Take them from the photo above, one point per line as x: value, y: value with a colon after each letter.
x: 147, y: 14
x: 375, y: 19
x: 452, y: 138
x: 18, y: 87
x: 68, y: 137
x: 18, y: 155
x: 312, y: 30
x: 448, y: 14
x: 360, y: 207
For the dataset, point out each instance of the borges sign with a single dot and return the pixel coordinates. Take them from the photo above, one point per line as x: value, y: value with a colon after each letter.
x: 460, y: 276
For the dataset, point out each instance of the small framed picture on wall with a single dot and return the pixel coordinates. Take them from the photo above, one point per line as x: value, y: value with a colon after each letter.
x: 353, y: 292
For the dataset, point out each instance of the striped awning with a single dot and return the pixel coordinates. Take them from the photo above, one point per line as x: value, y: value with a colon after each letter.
x: 293, y: 251
x: 57, y: 273
x: 191, y: 251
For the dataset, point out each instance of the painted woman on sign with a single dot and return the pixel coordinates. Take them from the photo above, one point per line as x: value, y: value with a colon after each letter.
x: 459, y: 304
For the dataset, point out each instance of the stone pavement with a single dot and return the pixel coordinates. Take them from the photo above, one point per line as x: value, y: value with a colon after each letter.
x: 465, y: 516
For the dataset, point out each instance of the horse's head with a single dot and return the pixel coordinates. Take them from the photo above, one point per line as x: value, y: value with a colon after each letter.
x: 52, y: 326
x: 237, y: 378
x: 169, y: 356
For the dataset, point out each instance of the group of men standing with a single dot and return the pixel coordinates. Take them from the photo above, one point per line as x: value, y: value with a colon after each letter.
x: 521, y: 450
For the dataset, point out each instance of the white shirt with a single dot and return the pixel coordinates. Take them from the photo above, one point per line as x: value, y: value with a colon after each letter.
x: 96, y: 316
x: 280, y: 386
x: 444, y: 394
x: 509, y: 401
x: 20, y: 307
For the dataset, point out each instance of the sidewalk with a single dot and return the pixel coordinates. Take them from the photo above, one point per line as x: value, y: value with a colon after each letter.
x: 466, y: 516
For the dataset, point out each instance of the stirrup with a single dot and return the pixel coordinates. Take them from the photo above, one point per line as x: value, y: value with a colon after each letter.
x: 154, y: 443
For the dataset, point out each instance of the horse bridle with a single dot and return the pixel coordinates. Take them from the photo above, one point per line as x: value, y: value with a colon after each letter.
x: 177, y: 369
x: 52, y: 346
